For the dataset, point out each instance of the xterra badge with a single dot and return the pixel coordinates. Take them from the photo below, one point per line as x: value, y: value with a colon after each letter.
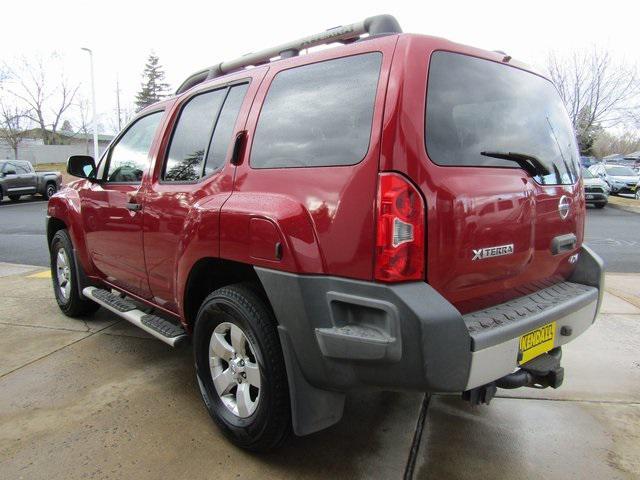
x: 489, y: 252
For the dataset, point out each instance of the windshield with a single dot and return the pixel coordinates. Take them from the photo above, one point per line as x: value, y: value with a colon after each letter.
x: 587, y: 174
x: 621, y: 172
x: 476, y: 105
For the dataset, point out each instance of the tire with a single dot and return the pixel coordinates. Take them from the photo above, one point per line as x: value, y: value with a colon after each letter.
x: 637, y: 195
x: 238, y: 308
x: 64, y: 277
x: 1, y: 195
x: 14, y: 198
x: 49, y: 190
x: 599, y: 205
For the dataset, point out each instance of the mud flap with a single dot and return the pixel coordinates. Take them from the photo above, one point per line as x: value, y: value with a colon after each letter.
x: 312, y: 409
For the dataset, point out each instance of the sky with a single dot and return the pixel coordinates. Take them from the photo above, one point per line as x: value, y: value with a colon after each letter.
x: 190, y: 35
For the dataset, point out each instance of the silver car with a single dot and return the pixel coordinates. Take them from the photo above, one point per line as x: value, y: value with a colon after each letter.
x: 621, y: 179
x: 596, y: 190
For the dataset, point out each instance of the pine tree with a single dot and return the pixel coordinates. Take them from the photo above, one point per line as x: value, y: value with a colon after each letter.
x: 153, y: 88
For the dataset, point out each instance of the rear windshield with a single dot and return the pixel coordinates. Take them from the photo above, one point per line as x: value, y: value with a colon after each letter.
x: 587, y: 174
x: 621, y: 171
x: 476, y: 105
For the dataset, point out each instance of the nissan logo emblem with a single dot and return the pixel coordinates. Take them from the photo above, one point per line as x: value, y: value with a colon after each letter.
x: 564, y: 205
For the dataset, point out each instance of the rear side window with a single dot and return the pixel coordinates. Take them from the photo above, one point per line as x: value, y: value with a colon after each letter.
x: 22, y: 168
x: 203, y: 133
x: 318, y: 115
x: 477, y: 109
x: 221, y: 138
x: 191, y: 136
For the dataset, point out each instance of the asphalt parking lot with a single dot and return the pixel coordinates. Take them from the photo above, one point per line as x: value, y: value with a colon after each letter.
x: 100, y: 399
x: 613, y: 233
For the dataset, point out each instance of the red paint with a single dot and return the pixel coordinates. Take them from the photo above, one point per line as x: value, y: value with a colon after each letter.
x: 324, y: 217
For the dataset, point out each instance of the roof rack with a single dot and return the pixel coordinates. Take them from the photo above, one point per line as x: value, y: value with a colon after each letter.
x: 378, y: 25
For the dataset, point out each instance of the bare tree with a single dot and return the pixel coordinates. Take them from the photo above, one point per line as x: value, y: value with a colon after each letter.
x: 12, y: 126
x: 598, y: 91
x: 45, y: 101
x: 608, y: 143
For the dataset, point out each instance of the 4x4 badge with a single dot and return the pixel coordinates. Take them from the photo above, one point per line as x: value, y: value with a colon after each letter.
x: 489, y: 252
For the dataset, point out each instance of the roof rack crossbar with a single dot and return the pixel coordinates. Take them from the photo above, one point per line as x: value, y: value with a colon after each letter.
x: 378, y: 25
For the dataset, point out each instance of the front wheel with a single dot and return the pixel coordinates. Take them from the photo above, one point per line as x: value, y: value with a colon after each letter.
x: 50, y: 190
x: 63, y: 276
x: 14, y: 198
x: 240, y: 368
x: 599, y: 205
x: 638, y: 194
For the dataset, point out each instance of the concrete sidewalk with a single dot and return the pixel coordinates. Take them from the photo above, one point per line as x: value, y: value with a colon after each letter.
x: 100, y: 399
x: 624, y: 203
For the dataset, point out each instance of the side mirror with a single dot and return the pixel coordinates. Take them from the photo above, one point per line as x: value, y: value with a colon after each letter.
x: 81, y: 166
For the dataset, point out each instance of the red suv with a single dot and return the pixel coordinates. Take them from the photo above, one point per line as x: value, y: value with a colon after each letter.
x: 398, y: 212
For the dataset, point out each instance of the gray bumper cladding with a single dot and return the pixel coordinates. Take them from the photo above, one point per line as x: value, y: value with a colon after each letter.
x: 347, y: 334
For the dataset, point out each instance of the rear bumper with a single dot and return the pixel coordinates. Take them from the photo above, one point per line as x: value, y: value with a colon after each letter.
x: 347, y: 334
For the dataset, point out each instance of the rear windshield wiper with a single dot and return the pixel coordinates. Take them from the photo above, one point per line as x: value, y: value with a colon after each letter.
x: 531, y: 164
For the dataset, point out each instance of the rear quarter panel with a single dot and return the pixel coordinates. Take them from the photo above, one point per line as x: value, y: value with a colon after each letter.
x: 323, y: 215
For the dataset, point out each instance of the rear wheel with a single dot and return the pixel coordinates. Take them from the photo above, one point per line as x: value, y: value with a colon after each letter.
x: 240, y: 368
x: 50, y: 189
x: 64, y: 275
x: 14, y: 198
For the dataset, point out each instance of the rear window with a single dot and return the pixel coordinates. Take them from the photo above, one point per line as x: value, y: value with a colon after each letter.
x: 318, y: 115
x: 621, y: 171
x: 476, y: 105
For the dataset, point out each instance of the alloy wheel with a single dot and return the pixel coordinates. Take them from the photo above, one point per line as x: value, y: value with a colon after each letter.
x: 234, y: 369
x: 63, y: 273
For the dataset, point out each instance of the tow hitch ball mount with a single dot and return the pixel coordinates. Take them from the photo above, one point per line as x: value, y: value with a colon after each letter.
x: 541, y: 372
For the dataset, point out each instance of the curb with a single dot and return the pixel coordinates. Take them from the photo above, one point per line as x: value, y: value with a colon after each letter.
x: 621, y: 204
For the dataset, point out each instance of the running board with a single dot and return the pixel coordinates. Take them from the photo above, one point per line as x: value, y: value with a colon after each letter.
x: 168, y: 332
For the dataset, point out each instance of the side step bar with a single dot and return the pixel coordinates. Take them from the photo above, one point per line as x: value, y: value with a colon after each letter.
x: 160, y: 328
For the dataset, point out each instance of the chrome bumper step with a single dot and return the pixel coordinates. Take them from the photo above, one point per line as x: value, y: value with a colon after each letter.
x: 170, y: 333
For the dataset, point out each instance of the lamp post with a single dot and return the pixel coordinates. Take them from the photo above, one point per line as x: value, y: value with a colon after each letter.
x: 93, y: 106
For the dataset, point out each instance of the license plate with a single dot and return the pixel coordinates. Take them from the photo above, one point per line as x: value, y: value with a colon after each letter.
x: 537, y: 342
x: 589, y: 197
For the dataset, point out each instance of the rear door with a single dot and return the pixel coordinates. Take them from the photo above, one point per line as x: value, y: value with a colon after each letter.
x: 28, y: 178
x: 499, y: 169
x: 192, y: 179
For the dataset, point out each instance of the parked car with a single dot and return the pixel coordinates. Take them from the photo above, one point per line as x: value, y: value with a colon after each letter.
x: 337, y: 221
x: 17, y: 178
x: 596, y: 190
x: 587, y: 161
x: 620, y: 179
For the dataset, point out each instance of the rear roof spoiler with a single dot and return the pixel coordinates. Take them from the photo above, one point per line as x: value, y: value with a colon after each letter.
x: 378, y: 25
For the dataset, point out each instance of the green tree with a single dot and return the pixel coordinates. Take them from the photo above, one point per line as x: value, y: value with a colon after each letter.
x: 153, y: 88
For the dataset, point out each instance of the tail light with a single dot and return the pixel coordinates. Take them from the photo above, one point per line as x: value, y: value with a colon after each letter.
x: 400, y: 230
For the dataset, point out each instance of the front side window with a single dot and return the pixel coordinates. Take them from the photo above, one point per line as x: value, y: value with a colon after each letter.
x: 129, y: 157
x: 478, y: 110
x: 318, y: 115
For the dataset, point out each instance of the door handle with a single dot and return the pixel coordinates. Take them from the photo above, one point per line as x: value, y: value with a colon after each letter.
x: 236, y: 156
x: 134, y: 207
x: 563, y: 243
